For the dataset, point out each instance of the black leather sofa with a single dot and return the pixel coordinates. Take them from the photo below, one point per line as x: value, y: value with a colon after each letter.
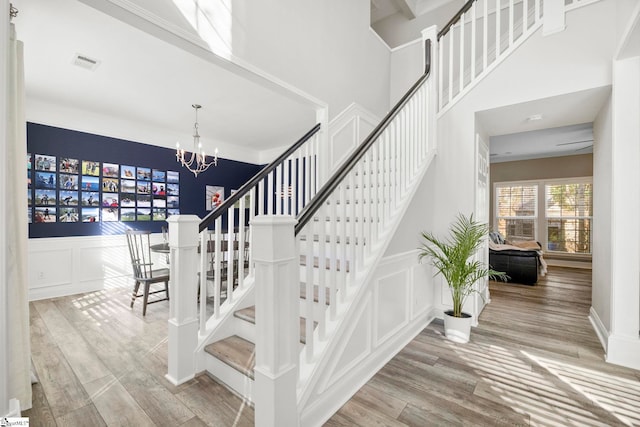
x: 520, y: 265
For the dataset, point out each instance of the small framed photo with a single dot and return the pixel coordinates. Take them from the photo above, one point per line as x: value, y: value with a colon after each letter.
x: 159, y: 189
x: 68, y: 198
x: 28, y: 161
x: 68, y: 214
x: 109, y: 214
x: 173, y: 176
x: 90, y: 168
x: 45, y: 214
x: 159, y: 214
x: 144, y: 187
x: 45, y: 197
x: 143, y: 200
x: 143, y: 174
x: 90, y: 183
x: 45, y: 163
x: 68, y: 182
x: 173, y: 189
x: 68, y: 165
x: 46, y: 180
x: 90, y: 214
x: 127, y: 201
x: 110, y: 185
x: 90, y: 198
x: 159, y: 202
x: 173, y: 212
x: 128, y: 172
x: 110, y: 200
x: 158, y: 175
x: 128, y: 186
x: 110, y: 170
x: 173, y: 202
x: 128, y: 214
x: 29, y: 199
x: 143, y: 214
x: 214, y: 196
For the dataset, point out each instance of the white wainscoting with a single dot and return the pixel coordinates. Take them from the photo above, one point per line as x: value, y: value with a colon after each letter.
x: 396, y: 306
x: 63, y: 266
x: 347, y: 130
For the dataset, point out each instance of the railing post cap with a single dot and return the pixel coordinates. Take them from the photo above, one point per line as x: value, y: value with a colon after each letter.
x: 183, y: 219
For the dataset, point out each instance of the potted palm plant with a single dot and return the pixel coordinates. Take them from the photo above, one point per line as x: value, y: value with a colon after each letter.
x: 452, y: 259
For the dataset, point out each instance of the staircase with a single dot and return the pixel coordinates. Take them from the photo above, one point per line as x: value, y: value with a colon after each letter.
x: 279, y: 328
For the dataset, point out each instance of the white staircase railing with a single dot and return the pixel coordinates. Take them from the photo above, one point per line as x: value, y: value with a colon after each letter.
x: 485, y: 32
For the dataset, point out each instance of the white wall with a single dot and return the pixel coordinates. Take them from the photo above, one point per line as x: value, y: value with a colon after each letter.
x: 322, y: 47
x: 602, y: 187
x: 407, y: 65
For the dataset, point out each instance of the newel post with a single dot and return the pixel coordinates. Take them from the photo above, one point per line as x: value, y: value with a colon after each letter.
x: 277, y: 321
x: 183, y: 303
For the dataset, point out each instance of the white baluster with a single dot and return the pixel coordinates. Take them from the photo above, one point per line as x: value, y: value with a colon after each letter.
x: 309, y: 302
x: 322, y: 272
x: 261, y: 197
x: 473, y: 42
x: 294, y: 185
x: 536, y: 15
x: 217, y: 271
x: 511, y: 19
x: 462, y: 52
x: 269, y: 193
x: 525, y: 16
x: 286, y: 198
x: 361, y: 211
x: 485, y: 33
x: 352, y: 226
x: 333, y: 235
x: 307, y: 174
x: 451, y: 41
x: 251, y: 217
x: 230, y: 252
x: 498, y: 16
x: 344, y: 214
x: 278, y: 190
x: 203, y: 280
x: 440, y: 47
x: 300, y: 180
x: 241, y: 242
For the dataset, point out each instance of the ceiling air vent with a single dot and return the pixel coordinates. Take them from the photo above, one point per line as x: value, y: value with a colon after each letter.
x: 85, y: 62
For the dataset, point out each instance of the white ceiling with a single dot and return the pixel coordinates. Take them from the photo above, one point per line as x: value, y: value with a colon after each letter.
x: 145, y: 80
x: 564, y: 127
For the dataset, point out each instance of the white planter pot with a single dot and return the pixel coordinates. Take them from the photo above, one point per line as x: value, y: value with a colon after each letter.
x: 457, y: 329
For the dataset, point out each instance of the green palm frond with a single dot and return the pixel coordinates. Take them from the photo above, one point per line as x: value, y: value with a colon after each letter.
x: 452, y: 258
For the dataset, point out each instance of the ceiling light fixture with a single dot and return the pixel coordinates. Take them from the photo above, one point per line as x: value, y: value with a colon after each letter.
x: 534, y: 117
x: 197, y: 162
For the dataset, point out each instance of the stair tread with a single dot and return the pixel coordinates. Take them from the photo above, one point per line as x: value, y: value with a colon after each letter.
x: 235, y: 352
x: 249, y: 314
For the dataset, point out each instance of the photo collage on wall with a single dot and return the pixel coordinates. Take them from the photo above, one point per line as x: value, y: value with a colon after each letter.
x: 73, y: 190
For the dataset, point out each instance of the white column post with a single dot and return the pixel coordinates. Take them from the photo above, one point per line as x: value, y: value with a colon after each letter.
x: 324, y: 154
x: 431, y: 33
x: 183, y: 310
x: 554, y: 17
x: 277, y: 321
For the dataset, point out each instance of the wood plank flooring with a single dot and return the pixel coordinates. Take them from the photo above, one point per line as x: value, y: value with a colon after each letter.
x: 534, y: 360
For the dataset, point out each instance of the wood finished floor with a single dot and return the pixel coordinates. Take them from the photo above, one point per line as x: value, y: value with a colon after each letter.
x: 534, y: 360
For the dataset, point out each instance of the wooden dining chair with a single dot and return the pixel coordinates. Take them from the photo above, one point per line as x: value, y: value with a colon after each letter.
x: 143, y: 273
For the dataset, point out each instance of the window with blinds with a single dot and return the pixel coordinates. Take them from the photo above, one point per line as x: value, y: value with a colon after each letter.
x: 516, y: 211
x: 569, y: 215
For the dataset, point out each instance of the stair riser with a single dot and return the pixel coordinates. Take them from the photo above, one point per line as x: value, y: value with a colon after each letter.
x: 244, y: 329
x: 233, y: 379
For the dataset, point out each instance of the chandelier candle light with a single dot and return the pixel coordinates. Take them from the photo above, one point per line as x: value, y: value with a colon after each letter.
x: 197, y: 162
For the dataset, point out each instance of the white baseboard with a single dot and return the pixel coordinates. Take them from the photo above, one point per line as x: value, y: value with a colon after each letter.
x: 14, y: 409
x: 599, y: 328
x: 624, y: 351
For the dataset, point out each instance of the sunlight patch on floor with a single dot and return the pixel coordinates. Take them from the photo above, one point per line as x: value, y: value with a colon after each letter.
x: 617, y: 395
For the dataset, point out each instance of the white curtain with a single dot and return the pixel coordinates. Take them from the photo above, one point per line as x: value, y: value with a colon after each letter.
x: 18, y: 339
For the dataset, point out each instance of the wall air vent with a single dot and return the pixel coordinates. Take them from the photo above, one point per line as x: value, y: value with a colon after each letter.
x: 85, y: 62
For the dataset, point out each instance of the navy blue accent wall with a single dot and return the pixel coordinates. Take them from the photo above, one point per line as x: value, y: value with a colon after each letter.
x: 52, y: 141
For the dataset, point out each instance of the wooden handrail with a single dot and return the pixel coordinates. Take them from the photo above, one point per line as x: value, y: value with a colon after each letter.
x: 242, y: 191
x: 323, y: 194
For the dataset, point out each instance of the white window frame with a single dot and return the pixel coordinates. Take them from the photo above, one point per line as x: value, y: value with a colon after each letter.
x: 583, y: 180
x: 541, y: 228
x: 535, y: 217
